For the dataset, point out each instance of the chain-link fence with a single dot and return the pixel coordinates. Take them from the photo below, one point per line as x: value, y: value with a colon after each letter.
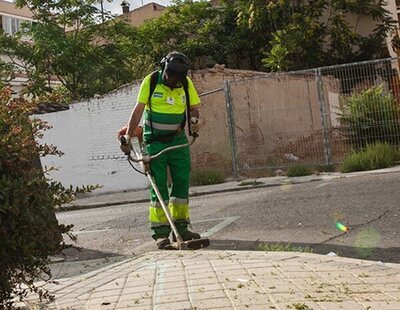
x: 212, y: 149
x: 311, y: 117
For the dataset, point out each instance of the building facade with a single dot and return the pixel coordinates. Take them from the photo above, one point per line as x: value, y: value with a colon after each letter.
x: 11, y: 21
x: 138, y: 16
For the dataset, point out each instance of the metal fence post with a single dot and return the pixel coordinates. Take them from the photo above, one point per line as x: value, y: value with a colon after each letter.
x: 324, y: 121
x: 231, y: 126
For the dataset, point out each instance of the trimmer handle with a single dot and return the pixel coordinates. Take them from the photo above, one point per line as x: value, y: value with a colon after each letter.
x: 123, y: 141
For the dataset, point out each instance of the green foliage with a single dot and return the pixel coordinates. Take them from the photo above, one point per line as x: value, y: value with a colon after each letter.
x: 206, y: 177
x: 253, y: 183
x: 6, y: 73
x: 298, y: 171
x: 89, y: 55
x: 369, y: 117
x: 304, y: 34
x: 68, y: 43
x: 29, y: 230
x: 186, y: 26
x: 325, y: 168
x: 375, y: 156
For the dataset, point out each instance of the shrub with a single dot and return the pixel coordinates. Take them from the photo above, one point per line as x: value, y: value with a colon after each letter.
x: 375, y: 156
x: 206, y: 177
x: 370, y: 117
x: 298, y: 171
x: 29, y: 230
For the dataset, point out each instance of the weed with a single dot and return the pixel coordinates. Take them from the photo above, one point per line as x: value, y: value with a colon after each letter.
x: 279, y: 247
x: 206, y: 177
x: 375, y: 156
x: 252, y: 183
x: 299, y: 306
x: 298, y: 171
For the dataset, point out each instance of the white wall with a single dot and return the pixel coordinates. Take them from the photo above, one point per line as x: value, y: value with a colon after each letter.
x: 86, y: 133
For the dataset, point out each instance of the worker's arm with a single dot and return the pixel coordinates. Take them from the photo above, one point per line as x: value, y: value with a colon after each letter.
x: 194, y: 111
x: 133, y: 122
x: 135, y: 118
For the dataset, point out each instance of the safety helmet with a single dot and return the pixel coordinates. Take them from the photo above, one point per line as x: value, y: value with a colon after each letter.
x: 175, y: 63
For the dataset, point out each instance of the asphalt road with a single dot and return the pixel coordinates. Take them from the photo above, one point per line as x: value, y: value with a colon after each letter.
x: 294, y: 217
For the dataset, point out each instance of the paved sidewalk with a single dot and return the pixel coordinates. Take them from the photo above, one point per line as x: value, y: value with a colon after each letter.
x: 101, y: 200
x: 232, y: 280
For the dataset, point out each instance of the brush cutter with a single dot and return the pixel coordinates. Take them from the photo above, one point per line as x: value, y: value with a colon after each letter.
x: 141, y: 157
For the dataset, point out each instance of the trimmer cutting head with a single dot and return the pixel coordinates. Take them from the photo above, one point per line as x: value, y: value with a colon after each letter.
x: 191, y: 244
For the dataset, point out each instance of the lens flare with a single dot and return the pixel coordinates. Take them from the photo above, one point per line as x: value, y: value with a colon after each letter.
x: 341, y: 227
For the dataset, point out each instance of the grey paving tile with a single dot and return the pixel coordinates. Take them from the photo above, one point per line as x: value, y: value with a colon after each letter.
x: 201, y: 275
x: 288, y: 305
x: 173, y: 306
x: 205, y: 288
x: 205, y: 281
x: 366, y: 297
x: 212, y: 304
x: 172, y: 285
x: 344, y: 305
x: 135, y: 302
x: 288, y: 297
x: 207, y: 295
x: 161, y: 298
x: 134, y: 296
x: 179, y: 278
x: 381, y: 305
x: 167, y: 290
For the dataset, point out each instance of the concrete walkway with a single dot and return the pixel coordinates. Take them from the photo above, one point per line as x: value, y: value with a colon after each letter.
x: 232, y: 280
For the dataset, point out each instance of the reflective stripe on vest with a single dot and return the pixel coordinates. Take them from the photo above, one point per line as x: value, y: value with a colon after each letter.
x: 160, y: 126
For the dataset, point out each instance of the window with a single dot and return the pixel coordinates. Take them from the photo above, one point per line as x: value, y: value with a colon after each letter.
x: 11, y: 25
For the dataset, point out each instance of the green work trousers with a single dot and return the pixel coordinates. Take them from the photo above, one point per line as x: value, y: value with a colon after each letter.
x: 177, y: 200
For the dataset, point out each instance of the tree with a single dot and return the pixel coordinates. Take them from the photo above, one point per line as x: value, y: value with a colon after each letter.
x: 29, y: 230
x: 186, y: 26
x: 6, y: 73
x: 69, y: 44
x: 302, y: 34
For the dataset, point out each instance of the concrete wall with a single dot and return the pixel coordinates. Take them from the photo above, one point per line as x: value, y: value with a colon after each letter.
x: 86, y: 133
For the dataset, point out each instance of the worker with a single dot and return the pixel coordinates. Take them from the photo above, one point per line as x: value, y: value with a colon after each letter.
x: 164, y: 97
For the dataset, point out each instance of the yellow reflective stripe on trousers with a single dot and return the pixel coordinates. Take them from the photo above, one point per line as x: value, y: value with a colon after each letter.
x: 179, y: 208
x: 157, y: 215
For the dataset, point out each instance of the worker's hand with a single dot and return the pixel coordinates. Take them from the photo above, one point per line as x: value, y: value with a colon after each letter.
x: 194, y: 125
x: 125, y: 144
x: 121, y: 132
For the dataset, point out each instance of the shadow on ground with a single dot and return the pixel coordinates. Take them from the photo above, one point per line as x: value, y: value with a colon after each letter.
x: 74, y: 254
x: 388, y: 255
x: 76, y: 261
